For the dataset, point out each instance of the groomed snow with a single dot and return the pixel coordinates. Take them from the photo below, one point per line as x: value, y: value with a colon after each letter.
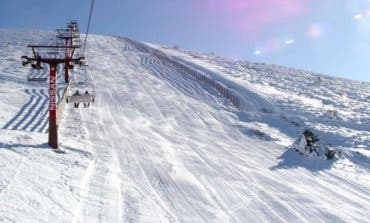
x: 159, y: 146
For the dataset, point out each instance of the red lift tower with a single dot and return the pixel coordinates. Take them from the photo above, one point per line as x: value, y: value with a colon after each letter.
x: 52, y: 59
x: 70, y: 37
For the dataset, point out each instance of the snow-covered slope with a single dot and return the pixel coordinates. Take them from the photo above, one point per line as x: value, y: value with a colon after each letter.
x: 159, y: 145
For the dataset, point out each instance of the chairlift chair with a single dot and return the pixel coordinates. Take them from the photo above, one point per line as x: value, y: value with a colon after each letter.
x: 73, y: 25
x: 82, y: 89
x: 37, y: 79
x: 83, y: 97
x: 37, y: 66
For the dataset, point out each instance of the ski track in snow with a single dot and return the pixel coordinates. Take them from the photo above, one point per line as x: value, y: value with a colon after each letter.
x: 159, y: 146
x: 103, y: 199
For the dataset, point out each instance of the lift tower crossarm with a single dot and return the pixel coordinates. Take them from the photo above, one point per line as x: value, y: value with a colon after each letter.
x: 54, y: 47
x: 53, y: 60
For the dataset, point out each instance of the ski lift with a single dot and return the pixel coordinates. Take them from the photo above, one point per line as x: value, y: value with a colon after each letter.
x: 37, y: 66
x: 37, y: 79
x: 73, y: 25
x: 81, y: 89
x: 37, y: 76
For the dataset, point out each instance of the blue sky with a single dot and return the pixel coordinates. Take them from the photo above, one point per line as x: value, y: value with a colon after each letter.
x: 326, y: 36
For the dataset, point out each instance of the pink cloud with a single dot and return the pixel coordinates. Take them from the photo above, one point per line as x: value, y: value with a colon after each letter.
x: 254, y: 15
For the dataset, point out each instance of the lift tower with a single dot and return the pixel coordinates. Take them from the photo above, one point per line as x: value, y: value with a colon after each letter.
x: 53, y: 60
x: 69, y: 37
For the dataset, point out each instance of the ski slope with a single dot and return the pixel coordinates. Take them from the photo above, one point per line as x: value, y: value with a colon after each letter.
x: 159, y: 145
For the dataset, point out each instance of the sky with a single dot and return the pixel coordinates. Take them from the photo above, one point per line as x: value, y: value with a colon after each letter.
x: 326, y: 36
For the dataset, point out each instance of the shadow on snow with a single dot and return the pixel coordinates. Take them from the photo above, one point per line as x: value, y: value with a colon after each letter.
x: 292, y: 159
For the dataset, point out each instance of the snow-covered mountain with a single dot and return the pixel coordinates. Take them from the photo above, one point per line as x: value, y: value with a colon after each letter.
x: 178, y: 136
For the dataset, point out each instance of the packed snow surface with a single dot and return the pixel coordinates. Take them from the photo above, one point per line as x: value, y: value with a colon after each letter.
x: 158, y: 145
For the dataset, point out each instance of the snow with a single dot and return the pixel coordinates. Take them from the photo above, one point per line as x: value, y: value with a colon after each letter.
x: 159, y: 146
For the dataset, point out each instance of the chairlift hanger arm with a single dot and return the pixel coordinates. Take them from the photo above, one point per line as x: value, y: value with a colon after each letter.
x: 34, y: 52
x: 72, y: 52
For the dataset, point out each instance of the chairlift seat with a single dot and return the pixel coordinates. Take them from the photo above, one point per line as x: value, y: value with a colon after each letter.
x: 81, y: 88
x: 37, y: 79
x: 82, y: 98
